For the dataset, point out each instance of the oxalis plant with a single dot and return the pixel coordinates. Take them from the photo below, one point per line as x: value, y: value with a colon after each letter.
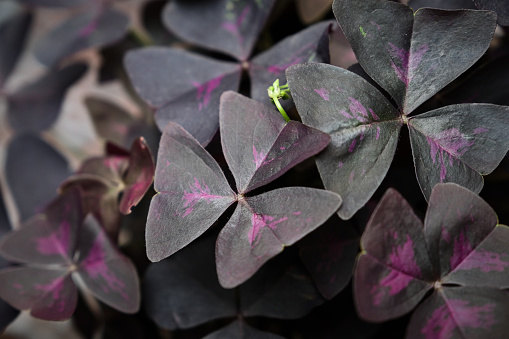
x: 259, y: 190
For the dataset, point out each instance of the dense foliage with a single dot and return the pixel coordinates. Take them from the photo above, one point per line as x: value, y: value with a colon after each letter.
x: 251, y: 175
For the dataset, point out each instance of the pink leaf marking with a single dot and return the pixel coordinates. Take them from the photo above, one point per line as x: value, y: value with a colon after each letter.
x: 346, y: 115
x: 401, y: 259
x: 480, y: 130
x: 205, y: 91
x: 57, y: 242
x: 442, y: 322
x: 340, y: 164
x: 407, y: 64
x: 259, y: 157
x: 352, y: 146
x: 234, y: 27
x: 298, y: 57
x: 197, y: 193
x: 259, y: 221
x: 462, y: 249
x: 377, y: 132
x: 54, y: 287
x: 375, y: 117
x: 88, y: 29
x: 95, y: 265
x: 486, y: 262
x: 324, y: 93
x: 350, y: 179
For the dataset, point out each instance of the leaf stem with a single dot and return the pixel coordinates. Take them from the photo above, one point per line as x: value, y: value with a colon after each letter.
x: 277, y: 92
x: 281, y: 110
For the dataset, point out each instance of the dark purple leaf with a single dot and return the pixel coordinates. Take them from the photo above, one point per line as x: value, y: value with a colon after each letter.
x: 341, y: 53
x: 394, y: 272
x: 227, y: 26
x: 12, y: 37
x: 34, y: 170
x: 183, y: 291
x: 240, y: 330
x: 110, y: 121
x: 305, y: 46
x: 91, y: 28
x: 329, y: 255
x: 7, y: 315
x: 263, y: 225
x: 268, y: 146
x: 363, y: 125
x: 312, y: 10
x: 48, y: 294
x: 193, y: 193
x: 413, y: 74
x: 455, y: 227
x: 499, y: 6
x: 459, y: 144
x: 110, y: 276
x: 487, y: 264
x: 53, y: 3
x: 442, y: 4
x: 282, y: 289
x: 182, y: 87
x: 48, y: 238
x: 36, y: 106
x: 139, y: 175
x: 461, y: 312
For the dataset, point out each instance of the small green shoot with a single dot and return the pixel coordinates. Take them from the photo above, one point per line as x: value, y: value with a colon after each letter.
x: 277, y: 92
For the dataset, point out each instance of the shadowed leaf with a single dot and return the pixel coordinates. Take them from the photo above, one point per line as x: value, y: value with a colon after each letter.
x: 499, y: 6
x: 240, y: 330
x: 311, y: 10
x: 442, y: 4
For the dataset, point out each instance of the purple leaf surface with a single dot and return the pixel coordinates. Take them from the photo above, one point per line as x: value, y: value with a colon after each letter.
x: 454, y: 228
x: 53, y: 3
x: 46, y: 94
x: 458, y: 143
x: 13, y: 32
x: 48, y: 294
x: 442, y: 4
x: 268, y: 147
x: 227, y: 26
x: 263, y: 225
x: 34, y: 170
x: 308, y: 45
x: 363, y: 125
x: 138, y: 177
x: 193, y: 193
x: 410, y: 60
x: 91, y: 28
x: 182, y: 87
x: 110, y: 276
x: 183, y: 291
x: 329, y: 255
x: 461, y: 312
x: 394, y: 272
x: 240, y: 330
x: 499, y: 6
x: 50, y: 237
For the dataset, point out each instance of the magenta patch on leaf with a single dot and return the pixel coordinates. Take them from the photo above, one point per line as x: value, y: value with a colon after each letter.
x: 377, y: 132
x: 486, y: 261
x: 462, y: 249
x: 480, y: 130
x: 442, y: 323
x: 88, y: 29
x: 407, y: 64
x: 55, y: 287
x: 57, y: 242
x: 198, y: 192
x: 403, y: 257
x: 234, y: 26
x: 259, y: 157
x: 352, y: 146
x: 324, y: 93
x: 396, y: 281
x: 95, y: 265
x: 205, y: 91
x: 259, y: 221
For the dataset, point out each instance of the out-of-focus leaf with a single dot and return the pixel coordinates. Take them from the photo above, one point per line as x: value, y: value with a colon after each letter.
x: 311, y: 10
x: 442, y: 4
x: 89, y: 29
x: 227, y: 26
x: 240, y: 330
x: 341, y: 53
x: 34, y: 171
x: 53, y: 3
x: 501, y: 7
x: 36, y: 106
x: 182, y: 87
x: 13, y: 32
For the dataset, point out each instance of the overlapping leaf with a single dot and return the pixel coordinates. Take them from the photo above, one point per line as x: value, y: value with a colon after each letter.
x: 442, y: 4
x: 258, y: 147
x: 47, y: 94
x: 50, y: 241
x: 187, y: 91
x: 448, y: 146
x: 94, y: 27
x: 34, y: 170
x: 499, y: 6
x: 227, y: 26
x: 460, y: 244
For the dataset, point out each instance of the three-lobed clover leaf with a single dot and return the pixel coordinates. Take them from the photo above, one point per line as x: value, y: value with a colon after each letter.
x: 183, y: 291
x: 185, y: 87
x: 412, y: 61
x: 103, y: 179
x: 56, y: 245
x: 460, y: 254
x: 259, y: 146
